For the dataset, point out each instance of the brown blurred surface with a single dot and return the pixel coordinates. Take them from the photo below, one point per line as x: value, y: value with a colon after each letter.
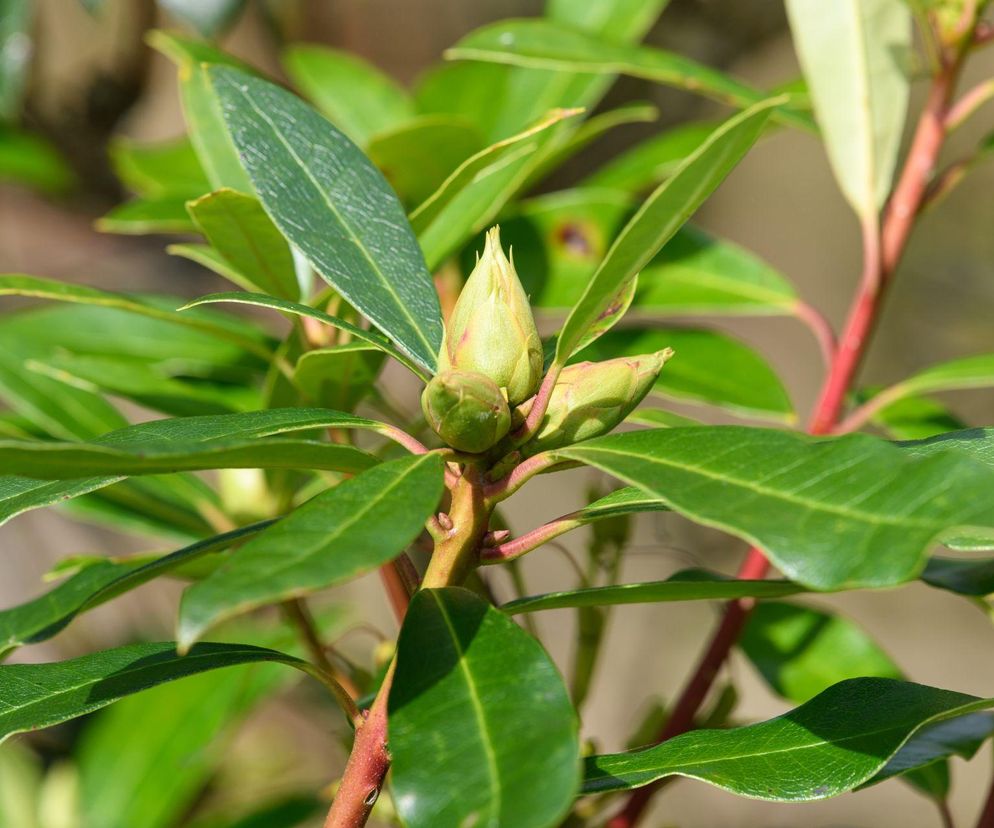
x: 781, y: 202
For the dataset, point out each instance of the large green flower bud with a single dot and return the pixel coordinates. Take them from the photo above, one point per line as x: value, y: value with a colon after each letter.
x: 591, y: 398
x: 492, y: 330
x: 466, y: 409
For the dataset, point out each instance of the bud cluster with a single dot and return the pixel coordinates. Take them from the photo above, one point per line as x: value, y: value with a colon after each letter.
x: 490, y: 367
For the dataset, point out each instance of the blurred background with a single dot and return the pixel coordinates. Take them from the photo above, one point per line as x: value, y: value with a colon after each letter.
x: 91, y: 78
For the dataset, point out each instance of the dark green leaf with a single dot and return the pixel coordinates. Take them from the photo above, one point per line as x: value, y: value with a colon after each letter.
x: 489, y: 701
x: 847, y: 511
x: 963, y: 576
x: 339, y: 377
x: 832, y: 744
x: 33, y: 696
x: 343, y: 532
x: 356, y: 97
x: 335, y: 207
x: 662, y: 214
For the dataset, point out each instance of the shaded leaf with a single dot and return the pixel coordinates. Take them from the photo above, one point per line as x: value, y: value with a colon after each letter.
x: 963, y: 576
x: 339, y: 377
x: 142, y: 216
x: 335, y: 207
x: 490, y: 738
x: 30, y: 160
x: 343, y: 532
x: 159, y: 170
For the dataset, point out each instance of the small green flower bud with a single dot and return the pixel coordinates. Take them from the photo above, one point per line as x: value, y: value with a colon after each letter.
x: 492, y: 330
x: 466, y: 409
x: 591, y: 398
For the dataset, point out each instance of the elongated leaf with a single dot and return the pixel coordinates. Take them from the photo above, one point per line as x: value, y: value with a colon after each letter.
x: 689, y: 585
x: 964, y: 576
x: 709, y: 368
x: 48, y: 614
x: 335, y: 207
x: 356, y: 96
x: 659, y: 418
x: 915, y: 418
x: 341, y: 533
x: 849, y: 511
x: 955, y: 375
x: 158, y: 170
x: 663, y: 213
x: 417, y: 156
x: 33, y: 162
x: 19, y: 494
x: 802, y: 651
x: 21, y: 285
x: 241, y: 232
x: 143, y: 216
x: 488, y: 736
x: 200, y: 108
x: 33, y: 696
x: 339, y: 377
x: 628, y: 500
x: 463, y: 90
x: 545, y: 45
x: 832, y: 744
x: 856, y: 55
x: 263, y: 301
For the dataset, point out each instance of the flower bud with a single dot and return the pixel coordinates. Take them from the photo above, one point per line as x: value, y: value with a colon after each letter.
x: 591, y: 398
x: 466, y: 409
x: 492, y: 330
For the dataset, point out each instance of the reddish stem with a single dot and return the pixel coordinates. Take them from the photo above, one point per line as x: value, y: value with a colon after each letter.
x: 881, y: 253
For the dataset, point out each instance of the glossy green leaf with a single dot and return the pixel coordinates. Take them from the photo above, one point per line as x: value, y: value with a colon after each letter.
x: 95, y: 584
x: 417, y: 156
x: 474, y: 192
x: 651, y: 161
x: 371, y: 337
x: 33, y: 696
x: 339, y: 377
x: 832, y: 744
x: 696, y: 273
x: 688, y: 585
x: 201, y: 110
x: 240, y: 231
x: 19, y: 494
x: 543, y: 44
x: 801, y: 651
x: 709, y: 368
x: 848, y: 511
x: 490, y: 702
x: 143, y: 216
x: 335, y: 207
x: 343, y: 532
x: 208, y: 17
x: 30, y: 160
x: 856, y: 59
x: 159, y: 170
x: 662, y: 214
x: 355, y: 96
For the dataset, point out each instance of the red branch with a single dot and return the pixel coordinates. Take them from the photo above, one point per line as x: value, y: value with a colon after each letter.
x: 881, y: 253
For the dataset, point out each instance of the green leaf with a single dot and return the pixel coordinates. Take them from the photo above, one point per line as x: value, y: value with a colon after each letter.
x: 855, y: 55
x: 709, y: 368
x: 915, y: 418
x: 232, y: 330
x: 244, y: 236
x: 208, y: 17
x: 490, y: 702
x: 33, y: 696
x: 696, y: 273
x: 613, y: 20
x: 962, y: 576
x: 663, y: 213
x: 417, y: 156
x: 848, y: 511
x: 142, y: 216
x: 832, y: 744
x: 95, y: 584
x: 541, y: 44
x: 343, y: 532
x: 651, y: 161
x: 19, y: 494
x: 476, y: 190
x: 688, y: 585
x: 955, y: 375
x: 659, y: 418
x: 335, y: 207
x: 205, y: 125
x: 30, y: 160
x: 339, y: 377
x: 355, y: 96
x: 802, y: 651
x: 371, y: 337
x: 464, y: 90
x: 169, y: 168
